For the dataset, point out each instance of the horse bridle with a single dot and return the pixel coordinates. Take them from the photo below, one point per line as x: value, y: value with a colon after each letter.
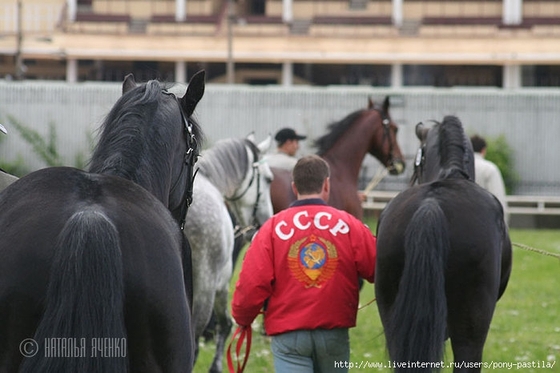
x: 386, y: 122
x: 190, y: 158
x: 255, y: 174
x: 420, y: 160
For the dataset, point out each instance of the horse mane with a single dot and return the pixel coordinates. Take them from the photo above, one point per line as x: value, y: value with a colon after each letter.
x: 133, y: 133
x: 456, y: 156
x: 226, y: 163
x: 336, y: 129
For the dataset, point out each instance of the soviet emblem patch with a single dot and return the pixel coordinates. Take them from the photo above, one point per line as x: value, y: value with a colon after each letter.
x: 312, y: 260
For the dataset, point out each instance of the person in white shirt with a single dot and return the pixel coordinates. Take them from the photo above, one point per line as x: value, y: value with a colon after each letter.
x: 487, y: 174
x: 287, y: 146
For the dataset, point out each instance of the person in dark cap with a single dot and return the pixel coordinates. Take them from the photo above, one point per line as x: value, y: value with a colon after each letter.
x: 287, y: 140
x: 5, y: 178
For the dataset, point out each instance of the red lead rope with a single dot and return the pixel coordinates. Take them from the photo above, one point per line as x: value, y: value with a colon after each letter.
x: 244, y: 332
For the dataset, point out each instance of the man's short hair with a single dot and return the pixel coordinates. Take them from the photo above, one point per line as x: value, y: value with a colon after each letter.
x: 478, y: 143
x: 309, y: 174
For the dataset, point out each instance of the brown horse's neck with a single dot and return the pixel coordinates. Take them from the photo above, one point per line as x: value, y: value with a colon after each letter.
x: 348, y: 153
x: 345, y: 158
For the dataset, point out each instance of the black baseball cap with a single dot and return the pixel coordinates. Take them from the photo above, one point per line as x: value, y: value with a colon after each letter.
x: 288, y: 134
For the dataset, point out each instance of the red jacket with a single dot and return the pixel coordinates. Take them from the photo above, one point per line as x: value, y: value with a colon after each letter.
x: 306, y: 261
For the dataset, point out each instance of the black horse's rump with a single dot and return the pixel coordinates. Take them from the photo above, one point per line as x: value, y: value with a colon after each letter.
x: 87, y: 260
x: 444, y: 256
x: 93, y: 256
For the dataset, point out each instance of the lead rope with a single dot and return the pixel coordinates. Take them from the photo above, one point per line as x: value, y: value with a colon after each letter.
x: 243, y: 333
x: 376, y: 179
x: 520, y: 245
x: 538, y: 251
x: 367, y: 304
x: 241, y: 231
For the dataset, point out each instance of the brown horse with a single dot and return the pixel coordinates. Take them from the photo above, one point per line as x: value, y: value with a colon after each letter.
x: 344, y: 147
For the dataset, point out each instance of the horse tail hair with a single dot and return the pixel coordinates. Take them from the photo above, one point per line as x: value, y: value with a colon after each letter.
x: 418, y: 325
x: 84, y: 303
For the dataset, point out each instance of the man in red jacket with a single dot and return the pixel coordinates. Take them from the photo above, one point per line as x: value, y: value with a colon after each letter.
x: 305, y: 263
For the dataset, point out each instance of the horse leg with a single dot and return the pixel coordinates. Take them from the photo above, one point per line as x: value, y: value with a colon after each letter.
x: 17, y: 323
x: 469, y: 321
x: 204, y: 294
x: 505, y: 271
x: 159, y: 332
x: 223, y: 320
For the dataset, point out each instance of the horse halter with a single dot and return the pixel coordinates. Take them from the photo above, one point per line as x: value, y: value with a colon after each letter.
x: 190, y: 158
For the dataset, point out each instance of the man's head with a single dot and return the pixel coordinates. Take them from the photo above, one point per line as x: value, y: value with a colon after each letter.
x: 478, y: 144
x: 311, y: 177
x: 288, y: 141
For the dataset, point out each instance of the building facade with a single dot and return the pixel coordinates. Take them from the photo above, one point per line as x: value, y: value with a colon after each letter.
x: 384, y: 43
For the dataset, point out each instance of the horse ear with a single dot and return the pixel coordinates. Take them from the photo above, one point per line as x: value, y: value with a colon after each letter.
x: 420, y: 131
x: 129, y: 83
x: 386, y: 104
x: 370, y: 103
x: 251, y: 137
x: 195, y: 91
x: 3, y: 129
x: 264, y: 145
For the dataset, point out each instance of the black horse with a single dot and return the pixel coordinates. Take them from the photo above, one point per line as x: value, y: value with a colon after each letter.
x: 92, y: 269
x: 444, y: 257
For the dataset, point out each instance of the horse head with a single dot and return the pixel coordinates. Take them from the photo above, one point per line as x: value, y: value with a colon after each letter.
x: 385, y: 146
x: 445, y: 151
x: 237, y: 169
x: 255, y: 207
x: 163, y: 136
x: 193, y: 140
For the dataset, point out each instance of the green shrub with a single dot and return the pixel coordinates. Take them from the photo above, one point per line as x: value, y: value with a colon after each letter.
x: 499, y: 152
x: 45, y: 148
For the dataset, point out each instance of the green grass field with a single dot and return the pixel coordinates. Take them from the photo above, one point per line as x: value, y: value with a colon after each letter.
x: 525, y: 329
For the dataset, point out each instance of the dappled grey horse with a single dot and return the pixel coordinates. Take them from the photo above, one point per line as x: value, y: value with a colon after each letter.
x: 231, y: 170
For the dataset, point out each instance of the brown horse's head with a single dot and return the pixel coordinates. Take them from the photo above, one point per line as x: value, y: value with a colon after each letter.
x: 384, y: 145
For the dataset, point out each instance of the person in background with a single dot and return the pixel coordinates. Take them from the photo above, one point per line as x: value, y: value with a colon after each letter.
x: 487, y: 174
x: 5, y: 178
x: 304, y: 263
x: 287, y: 146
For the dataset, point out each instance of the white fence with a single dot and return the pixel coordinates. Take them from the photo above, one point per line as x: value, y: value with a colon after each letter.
x: 528, y: 119
x: 524, y: 211
x: 517, y: 205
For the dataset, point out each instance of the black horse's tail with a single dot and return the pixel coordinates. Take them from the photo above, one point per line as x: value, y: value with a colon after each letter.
x: 84, y: 302
x: 418, y: 325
